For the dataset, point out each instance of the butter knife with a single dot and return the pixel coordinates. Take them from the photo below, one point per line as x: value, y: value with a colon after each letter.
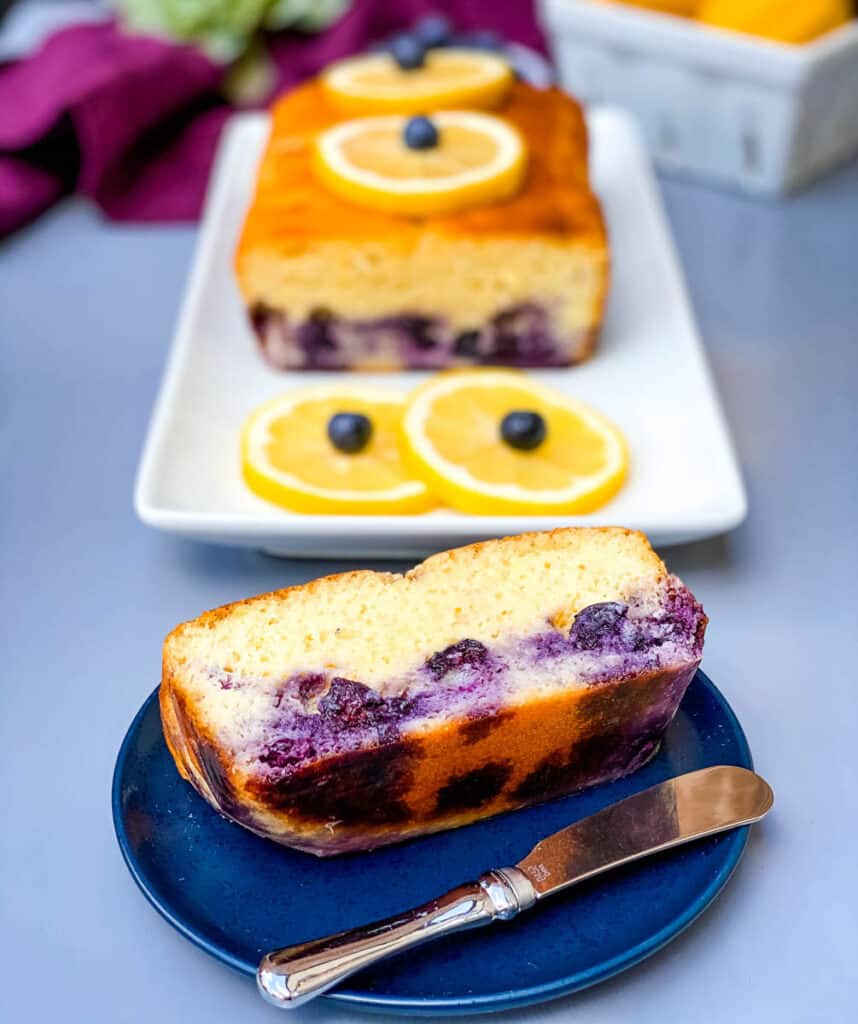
x: 678, y: 811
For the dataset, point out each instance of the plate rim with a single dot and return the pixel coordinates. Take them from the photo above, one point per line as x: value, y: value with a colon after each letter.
x: 736, y: 842
x: 306, y: 534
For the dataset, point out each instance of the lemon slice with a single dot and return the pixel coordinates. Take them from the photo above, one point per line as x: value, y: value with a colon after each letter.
x: 478, y: 159
x: 449, y: 79
x: 287, y: 457
x: 451, y: 433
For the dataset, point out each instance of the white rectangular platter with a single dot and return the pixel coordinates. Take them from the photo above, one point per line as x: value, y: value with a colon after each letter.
x: 649, y: 375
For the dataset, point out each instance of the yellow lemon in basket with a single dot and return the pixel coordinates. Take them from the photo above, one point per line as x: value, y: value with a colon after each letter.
x: 496, y: 442
x: 422, y: 166
x: 785, y: 21
x: 331, y: 449
x: 446, y: 79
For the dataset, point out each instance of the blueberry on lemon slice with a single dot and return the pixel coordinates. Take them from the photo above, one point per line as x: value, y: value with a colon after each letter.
x: 332, y: 450
x: 496, y: 442
x: 422, y: 166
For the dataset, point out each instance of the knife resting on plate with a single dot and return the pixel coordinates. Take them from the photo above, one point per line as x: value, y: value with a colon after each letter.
x: 677, y: 811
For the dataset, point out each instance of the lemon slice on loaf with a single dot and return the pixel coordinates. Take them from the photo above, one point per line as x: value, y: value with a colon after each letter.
x: 473, y: 159
x: 447, y: 79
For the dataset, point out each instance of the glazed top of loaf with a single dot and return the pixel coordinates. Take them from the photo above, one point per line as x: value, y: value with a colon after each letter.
x: 291, y: 208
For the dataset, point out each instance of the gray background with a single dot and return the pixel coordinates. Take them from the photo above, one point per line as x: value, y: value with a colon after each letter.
x: 87, y: 594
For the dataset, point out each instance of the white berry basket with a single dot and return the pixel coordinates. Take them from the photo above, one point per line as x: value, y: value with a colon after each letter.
x: 762, y: 116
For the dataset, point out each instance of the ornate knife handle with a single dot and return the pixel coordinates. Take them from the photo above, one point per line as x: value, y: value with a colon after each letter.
x: 291, y: 976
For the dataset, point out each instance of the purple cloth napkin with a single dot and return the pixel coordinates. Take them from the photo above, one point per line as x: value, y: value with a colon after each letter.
x: 133, y: 122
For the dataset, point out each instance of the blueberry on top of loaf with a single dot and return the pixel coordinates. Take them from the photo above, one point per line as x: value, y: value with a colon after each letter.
x: 581, y: 633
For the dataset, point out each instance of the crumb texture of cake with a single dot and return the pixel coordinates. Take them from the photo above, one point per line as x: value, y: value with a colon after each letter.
x: 329, y: 284
x: 367, y: 708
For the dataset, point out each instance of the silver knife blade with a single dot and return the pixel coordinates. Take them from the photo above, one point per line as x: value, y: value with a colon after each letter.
x: 688, y: 807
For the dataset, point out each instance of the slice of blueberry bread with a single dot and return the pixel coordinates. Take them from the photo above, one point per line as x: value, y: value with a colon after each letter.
x: 366, y: 708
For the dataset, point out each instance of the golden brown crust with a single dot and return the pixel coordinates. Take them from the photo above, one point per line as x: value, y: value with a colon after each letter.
x: 291, y: 208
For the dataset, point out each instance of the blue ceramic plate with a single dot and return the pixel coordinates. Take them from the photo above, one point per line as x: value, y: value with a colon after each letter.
x: 237, y: 896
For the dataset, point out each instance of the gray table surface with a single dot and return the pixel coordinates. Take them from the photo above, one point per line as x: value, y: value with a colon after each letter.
x: 87, y: 594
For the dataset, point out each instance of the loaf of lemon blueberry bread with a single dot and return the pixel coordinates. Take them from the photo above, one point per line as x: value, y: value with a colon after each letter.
x: 330, y: 283
x: 367, y: 708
